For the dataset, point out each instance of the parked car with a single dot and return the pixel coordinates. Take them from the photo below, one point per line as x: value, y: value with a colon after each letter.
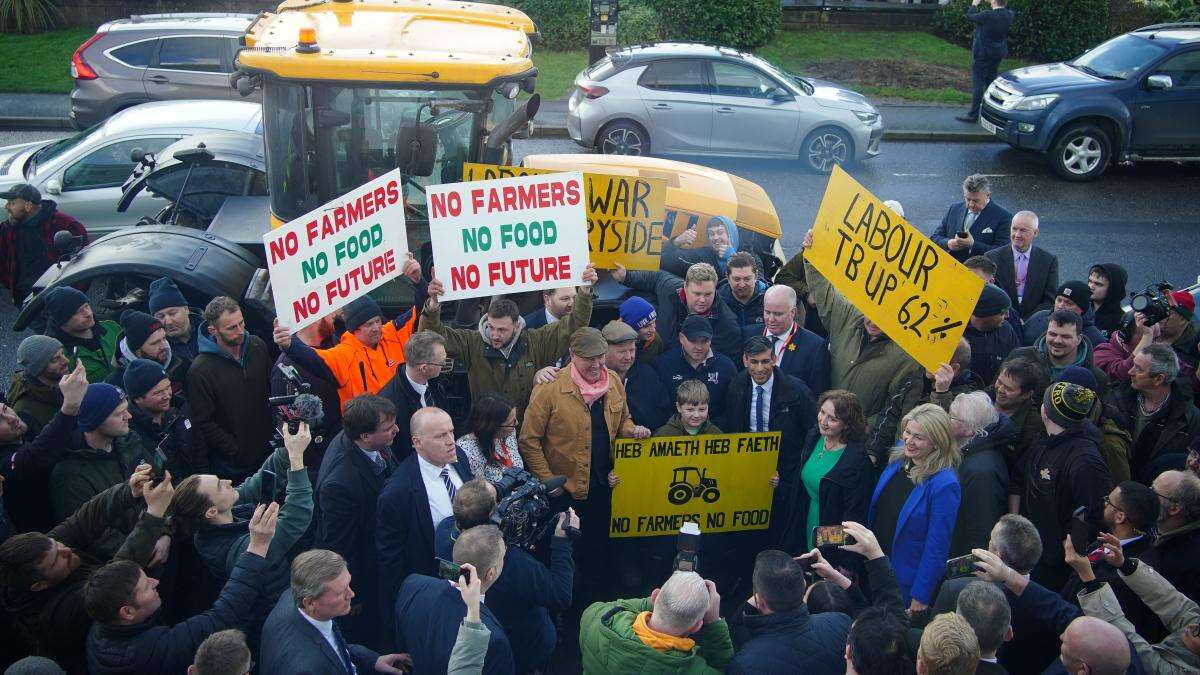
x: 1129, y: 99
x: 155, y: 57
x: 84, y: 172
x: 675, y: 98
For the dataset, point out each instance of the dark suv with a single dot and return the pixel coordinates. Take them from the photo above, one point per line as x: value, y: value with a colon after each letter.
x: 1134, y: 98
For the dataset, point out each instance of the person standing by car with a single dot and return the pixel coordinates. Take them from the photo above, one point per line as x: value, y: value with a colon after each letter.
x: 989, y: 46
x: 27, y: 238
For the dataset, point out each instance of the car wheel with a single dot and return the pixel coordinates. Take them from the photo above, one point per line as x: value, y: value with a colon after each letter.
x: 624, y: 138
x: 825, y: 147
x: 1081, y: 152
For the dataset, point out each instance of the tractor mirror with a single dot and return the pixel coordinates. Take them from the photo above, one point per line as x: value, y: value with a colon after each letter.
x: 416, y: 148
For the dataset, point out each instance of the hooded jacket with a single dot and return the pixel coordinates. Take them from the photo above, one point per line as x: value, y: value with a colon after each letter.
x: 1083, y: 359
x: 609, y: 645
x: 98, y: 353
x: 750, y: 312
x: 34, y: 399
x: 228, y: 399
x: 176, y: 369
x: 1110, y: 314
x: 510, y: 369
x: 677, y: 260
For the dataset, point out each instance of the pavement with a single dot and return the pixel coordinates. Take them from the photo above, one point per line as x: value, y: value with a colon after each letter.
x: 904, y: 122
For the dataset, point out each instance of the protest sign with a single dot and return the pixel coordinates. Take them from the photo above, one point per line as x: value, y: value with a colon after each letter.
x: 331, y: 255
x: 511, y: 235
x: 625, y: 214
x: 913, y: 290
x: 719, y: 482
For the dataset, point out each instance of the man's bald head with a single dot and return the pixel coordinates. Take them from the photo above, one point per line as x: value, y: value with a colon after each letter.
x: 423, y: 417
x: 1027, y: 217
x: 1093, y: 643
x: 781, y: 293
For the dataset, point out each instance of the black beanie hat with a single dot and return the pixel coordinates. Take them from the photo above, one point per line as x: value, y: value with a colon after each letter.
x: 62, y: 303
x: 1068, y: 405
x: 361, y: 310
x: 139, y: 326
x: 142, y: 375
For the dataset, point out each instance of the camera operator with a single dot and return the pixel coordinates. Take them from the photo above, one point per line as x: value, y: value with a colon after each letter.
x: 528, y: 591
x: 677, y: 629
x: 1174, y: 311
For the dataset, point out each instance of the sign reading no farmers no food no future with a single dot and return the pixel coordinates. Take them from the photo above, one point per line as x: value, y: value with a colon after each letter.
x: 511, y: 235
x: 337, y: 252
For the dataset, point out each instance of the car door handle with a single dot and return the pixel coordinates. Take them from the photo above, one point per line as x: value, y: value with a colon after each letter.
x: 158, y: 79
x: 725, y: 110
x: 661, y: 106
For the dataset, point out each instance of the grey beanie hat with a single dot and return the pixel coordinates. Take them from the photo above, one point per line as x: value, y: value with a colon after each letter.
x: 35, y: 665
x: 36, y: 352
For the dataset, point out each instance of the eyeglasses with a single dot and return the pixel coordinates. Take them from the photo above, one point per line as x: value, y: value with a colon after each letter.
x: 1169, y: 499
x: 1109, y: 503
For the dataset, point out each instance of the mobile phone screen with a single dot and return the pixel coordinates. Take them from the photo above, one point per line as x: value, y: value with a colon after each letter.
x: 267, y: 495
x: 829, y: 535
x: 451, y: 571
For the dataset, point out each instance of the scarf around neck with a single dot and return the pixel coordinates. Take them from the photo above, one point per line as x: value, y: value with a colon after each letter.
x: 590, y: 392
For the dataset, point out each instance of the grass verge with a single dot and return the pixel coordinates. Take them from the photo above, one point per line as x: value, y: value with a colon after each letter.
x: 39, y: 63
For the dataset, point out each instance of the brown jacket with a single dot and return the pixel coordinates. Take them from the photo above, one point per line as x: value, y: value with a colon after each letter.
x: 556, y: 437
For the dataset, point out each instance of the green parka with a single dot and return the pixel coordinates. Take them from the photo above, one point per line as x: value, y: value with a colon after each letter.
x: 609, y: 645
x: 35, y: 399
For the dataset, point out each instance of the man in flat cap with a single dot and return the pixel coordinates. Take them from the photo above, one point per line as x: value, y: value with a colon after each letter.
x: 569, y: 430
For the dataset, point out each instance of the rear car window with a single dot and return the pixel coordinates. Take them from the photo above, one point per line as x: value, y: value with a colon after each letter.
x: 202, y: 54
x: 136, y: 54
x: 685, y: 75
x: 601, y: 70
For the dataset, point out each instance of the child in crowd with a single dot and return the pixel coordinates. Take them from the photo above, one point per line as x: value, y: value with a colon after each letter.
x: 691, y: 412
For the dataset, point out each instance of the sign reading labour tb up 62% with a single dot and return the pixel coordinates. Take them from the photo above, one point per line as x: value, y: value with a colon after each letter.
x: 511, y: 235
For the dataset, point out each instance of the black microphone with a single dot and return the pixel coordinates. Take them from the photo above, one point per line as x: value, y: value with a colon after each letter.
x: 308, y: 409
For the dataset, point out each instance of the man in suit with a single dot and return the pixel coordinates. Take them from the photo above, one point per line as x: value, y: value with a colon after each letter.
x: 354, y: 469
x: 415, y: 500
x: 1028, y: 273
x: 429, y: 611
x: 301, y: 636
x: 556, y: 303
x: 975, y: 225
x: 984, y: 607
x: 799, y: 352
x: 989, y: 46
x: 415, y: 385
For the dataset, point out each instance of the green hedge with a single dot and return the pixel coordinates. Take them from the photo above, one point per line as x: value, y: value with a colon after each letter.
x: 562, y: 23
x: 638, y: 24
x: 1045, y: 30
x: 745, y: 24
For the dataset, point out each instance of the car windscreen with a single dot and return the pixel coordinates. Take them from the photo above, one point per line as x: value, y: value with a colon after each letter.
x: 1120, y: 58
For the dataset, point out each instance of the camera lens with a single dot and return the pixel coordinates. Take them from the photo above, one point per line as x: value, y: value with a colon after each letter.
x: 1139, y: 302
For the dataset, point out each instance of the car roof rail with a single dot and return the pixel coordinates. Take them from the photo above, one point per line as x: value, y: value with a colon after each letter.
x: 1165, y: 26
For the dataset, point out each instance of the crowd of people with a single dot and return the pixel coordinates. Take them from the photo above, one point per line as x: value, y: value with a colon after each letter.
x: 169, y: 508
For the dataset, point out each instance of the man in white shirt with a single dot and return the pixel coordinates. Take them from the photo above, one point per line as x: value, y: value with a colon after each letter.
x: 416, y: 498
x: 415, y: 385
x: 556, y: 303
x: 300, y: 635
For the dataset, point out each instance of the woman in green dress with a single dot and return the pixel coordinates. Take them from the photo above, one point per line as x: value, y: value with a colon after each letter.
x: 836, y: 476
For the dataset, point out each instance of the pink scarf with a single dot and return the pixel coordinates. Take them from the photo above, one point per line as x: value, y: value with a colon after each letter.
x: 590, y: 392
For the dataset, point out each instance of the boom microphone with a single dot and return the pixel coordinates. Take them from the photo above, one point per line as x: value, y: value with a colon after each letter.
x: 308, y: 409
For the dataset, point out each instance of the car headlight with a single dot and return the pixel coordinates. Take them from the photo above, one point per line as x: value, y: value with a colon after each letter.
x: 867, y: 117
x: 1035, y: 102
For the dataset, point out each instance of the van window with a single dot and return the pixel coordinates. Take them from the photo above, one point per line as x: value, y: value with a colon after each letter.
x: 201, y: 54
x: 685, y: 75
x: 137, y: 54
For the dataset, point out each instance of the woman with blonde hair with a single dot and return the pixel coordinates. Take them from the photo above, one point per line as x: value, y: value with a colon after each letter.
x: 915, y: 503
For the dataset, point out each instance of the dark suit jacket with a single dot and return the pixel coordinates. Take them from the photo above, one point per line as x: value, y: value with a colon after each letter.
x: 535, y: 319
x: 990, y: 40
x: 293, y: 646
x: 989, y: 668
x: 428, y: 613
x: 1032, y: 646
x: 1041, y: 280
x: 404, y: 536
x: 805, y: 356
x: 990, y: 229
x: 346, y: 491
x: 399, y: 391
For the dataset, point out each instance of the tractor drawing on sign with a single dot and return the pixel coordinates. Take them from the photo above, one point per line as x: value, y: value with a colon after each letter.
x: 688, y: 482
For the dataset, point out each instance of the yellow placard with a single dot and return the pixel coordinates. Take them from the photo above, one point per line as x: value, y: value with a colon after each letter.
x: 894, y: 274
x: 625, y: 214
x: 719, y: 482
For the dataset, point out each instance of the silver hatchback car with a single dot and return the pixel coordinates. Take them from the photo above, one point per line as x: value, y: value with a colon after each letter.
x: 678, y: 98
x: 155, y: 57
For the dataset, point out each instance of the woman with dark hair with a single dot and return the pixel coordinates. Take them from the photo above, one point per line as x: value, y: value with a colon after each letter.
x: 490, y: 443
x: 836, y: 475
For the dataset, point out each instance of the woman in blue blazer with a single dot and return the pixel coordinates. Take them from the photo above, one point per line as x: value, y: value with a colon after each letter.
x: 915, y: 504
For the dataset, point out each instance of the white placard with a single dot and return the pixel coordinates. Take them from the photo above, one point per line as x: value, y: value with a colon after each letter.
x: 511, y: 235
x: 337, y: 252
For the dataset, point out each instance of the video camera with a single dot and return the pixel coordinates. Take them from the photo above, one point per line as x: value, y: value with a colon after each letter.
x: 293, y: 409
x: 1152, y: 302
x: 523, y: 511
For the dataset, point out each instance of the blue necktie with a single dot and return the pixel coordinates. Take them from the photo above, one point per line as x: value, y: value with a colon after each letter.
x: 449, y: 483
x: 758, y: 409
x: 343, y: 650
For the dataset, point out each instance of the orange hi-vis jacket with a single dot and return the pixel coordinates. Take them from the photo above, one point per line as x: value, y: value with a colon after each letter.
x: 359, y: 370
